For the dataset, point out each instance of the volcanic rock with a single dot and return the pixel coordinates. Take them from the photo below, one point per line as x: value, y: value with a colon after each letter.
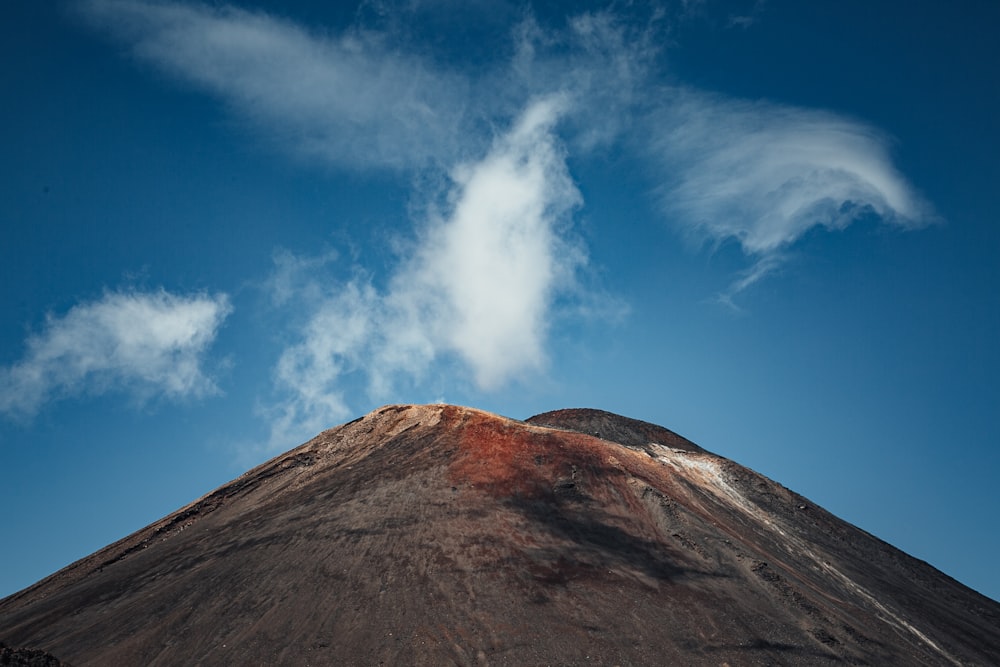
x: 433, y: 535
x: 26, y: 657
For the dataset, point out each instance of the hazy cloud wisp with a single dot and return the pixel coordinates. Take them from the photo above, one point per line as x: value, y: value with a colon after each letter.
x: 348, y: 99
x: 145, y: 343
x: 309, y: 373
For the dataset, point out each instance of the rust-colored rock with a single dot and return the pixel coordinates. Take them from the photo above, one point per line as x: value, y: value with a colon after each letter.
x: 430, y: 535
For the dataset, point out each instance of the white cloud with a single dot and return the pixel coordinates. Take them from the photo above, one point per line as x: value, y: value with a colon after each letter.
x: 488, y: 269
x: 763, y: 174
x: 349, y: 99
x: 147, y: 344
x: 479, y: 287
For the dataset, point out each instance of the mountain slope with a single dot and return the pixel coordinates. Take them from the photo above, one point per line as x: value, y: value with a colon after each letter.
x: 431, y: 535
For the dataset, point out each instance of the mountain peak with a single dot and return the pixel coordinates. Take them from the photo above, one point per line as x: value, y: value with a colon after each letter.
x: 436, y: 534
x: 616, y: 428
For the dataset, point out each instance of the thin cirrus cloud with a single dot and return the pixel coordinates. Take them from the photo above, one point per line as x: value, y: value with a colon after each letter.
x: 150, y: 344
x: 479, y: 286
x: 763, y: 174
x: 347, y: 99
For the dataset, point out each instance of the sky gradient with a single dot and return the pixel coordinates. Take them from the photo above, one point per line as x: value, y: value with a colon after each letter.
x: 767, y: 226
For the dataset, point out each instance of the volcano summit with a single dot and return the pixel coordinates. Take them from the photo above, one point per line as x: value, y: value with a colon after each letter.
x: 431, y: 535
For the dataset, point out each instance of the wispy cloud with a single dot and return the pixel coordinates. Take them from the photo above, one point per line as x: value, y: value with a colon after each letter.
x: 763, y: 174
x: 147, y: 344
x: 479, y: 287
x: 756, y: 172
x: 746, y: 18
x: 308, y: 376
x: 346, y: 98
x: 476, y: 289
x: 598, y: 61
x: 363, y: 97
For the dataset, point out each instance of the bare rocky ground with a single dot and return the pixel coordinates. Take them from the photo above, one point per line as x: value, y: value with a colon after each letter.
x: 433, y: 535
x: 25, y: 657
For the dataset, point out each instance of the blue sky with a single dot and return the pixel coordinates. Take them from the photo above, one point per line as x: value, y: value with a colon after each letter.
x: 770, y: 226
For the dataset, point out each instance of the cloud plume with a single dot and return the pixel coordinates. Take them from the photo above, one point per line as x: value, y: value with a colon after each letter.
x: 146, y: 343
x: 486, y: 271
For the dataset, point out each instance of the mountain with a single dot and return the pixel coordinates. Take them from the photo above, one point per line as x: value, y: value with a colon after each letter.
x: 432, y: 535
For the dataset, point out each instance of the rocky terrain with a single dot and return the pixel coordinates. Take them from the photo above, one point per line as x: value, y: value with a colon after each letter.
x: 432, y: 535
x: 26, y: 657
